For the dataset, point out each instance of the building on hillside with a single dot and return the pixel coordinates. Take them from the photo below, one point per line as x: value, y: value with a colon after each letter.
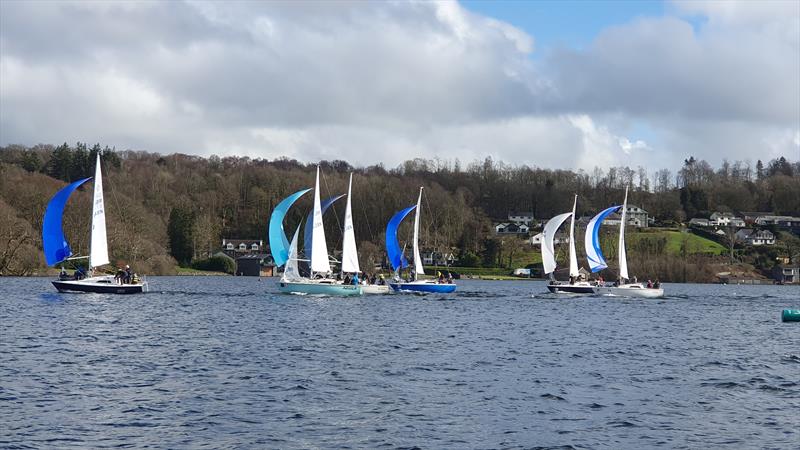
x: 752, y: 237
x: 521, y: 218
x: 511, y: 228
x: 559, y: 238
x: 742, y: 234
x: 237, y: 247
x: 255, y: 265
x: 635, y: 216
x: 786, y: 274
x: 699, y: 222
x: 725, y: 219
x: 431, y: 258
x: 751, y: 216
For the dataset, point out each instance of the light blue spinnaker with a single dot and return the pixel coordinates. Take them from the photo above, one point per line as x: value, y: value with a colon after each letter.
x: 396, y: 256
x: 278, y: 243
x: 56, y: 248
x: 592, y: 241
x: 307, y: 235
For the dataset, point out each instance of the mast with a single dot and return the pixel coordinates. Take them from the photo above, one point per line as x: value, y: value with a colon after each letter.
x: 349, y: 251
x: 319, y: 248
x: 573, y: 258
x: 623, y: 260
x: 98, y: 248
x: 417, y: 260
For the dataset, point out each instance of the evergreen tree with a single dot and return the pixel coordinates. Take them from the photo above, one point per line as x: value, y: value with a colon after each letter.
x: 60, y: 163
x: 30, y: 161
x: 80, y: 165
x: 179, y: 231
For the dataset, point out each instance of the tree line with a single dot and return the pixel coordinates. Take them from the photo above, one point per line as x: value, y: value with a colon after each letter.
x: 163, y: 209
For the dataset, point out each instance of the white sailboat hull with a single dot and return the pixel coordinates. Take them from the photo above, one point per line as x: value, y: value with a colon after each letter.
x: 319, y: 287
x: 564, y: 287
x: 105, y: 284
x: 375, y: 289
x: 629, y: 290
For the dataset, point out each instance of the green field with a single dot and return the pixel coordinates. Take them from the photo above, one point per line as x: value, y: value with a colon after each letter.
x: 694, y: 244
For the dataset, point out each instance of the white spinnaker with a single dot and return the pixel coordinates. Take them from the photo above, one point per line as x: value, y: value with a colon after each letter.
x: 548, y: 250
x: 292, y: 270
x: 417, y: 260
x: 623, y: 259
x: 573, y: 257
x: 319, y: 248
x: 98, y: 249
x: 349, y: 251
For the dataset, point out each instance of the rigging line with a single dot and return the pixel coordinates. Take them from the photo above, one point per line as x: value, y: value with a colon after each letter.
x: 113, y: 194
x: 339, y: 223
x: 366, y: 219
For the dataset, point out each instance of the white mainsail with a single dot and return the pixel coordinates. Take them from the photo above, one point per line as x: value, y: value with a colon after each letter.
x: 623, y: 260
x: 319, y: 248
x: 548, y: 250
x: 573, y: 258
x: 292, y: 270
x: 417, y: 260
x: 349, y: 251
x: 98, y: 249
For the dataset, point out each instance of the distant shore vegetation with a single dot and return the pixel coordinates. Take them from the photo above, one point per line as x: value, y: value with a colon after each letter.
x: 168, y: 211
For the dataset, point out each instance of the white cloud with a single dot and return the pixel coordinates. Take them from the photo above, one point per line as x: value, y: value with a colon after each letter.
x: 388, y: 81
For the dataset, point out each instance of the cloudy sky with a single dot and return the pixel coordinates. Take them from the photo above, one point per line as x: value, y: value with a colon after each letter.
x: 553, y: 84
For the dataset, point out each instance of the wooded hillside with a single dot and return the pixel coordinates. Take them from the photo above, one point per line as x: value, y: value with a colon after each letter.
x: 211, y: 198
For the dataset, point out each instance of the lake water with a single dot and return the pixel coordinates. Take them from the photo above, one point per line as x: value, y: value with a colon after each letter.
x: 227, y: 362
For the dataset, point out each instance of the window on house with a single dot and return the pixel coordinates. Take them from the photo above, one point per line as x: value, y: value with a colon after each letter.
x: 229, y: 246
x: 242, y: 246
x: 254, y: 247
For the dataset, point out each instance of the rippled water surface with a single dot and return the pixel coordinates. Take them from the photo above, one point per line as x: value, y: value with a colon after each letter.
x: 227, y: 362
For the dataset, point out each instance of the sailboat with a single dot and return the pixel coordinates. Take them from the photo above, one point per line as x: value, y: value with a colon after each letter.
x: 349, y: 251
x: 320, y: 282
x: 399, y: 261
x: 57, y: 250
x: 574, y: 286
x: 622, y: 288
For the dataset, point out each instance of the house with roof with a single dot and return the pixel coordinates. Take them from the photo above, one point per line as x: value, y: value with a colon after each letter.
x: 699, y: 222
x: 725, y: 219
x: 786, y: 274
x: 434, y: 258
x: 507, y: 228
x: 559, y: 238
x: 634, y: 215
x: 235, y: 247
x: 755, y: 237
x: 525, y: 217
x: 255, y: 265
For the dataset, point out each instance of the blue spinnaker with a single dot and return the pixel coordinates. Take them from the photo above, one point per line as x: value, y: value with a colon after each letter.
x: 278, y: 243
x: 396, y: 256
x: 56, y: 248
x: 307, y: 231
x: 592, y: 241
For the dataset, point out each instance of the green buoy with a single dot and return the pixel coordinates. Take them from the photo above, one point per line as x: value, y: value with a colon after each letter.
x: 791, y: 315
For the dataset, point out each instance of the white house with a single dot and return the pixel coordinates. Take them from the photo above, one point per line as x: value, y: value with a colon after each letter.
x: 511, y: 228
x: 242, y: 246
x: 763, y: 237
x: 636, y: 217
x: 557, y: 239
x: 521, y: 217
x: 725, y: 220
x: 700, y: 222
x: 438, y: 258
x: 751, y: 237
